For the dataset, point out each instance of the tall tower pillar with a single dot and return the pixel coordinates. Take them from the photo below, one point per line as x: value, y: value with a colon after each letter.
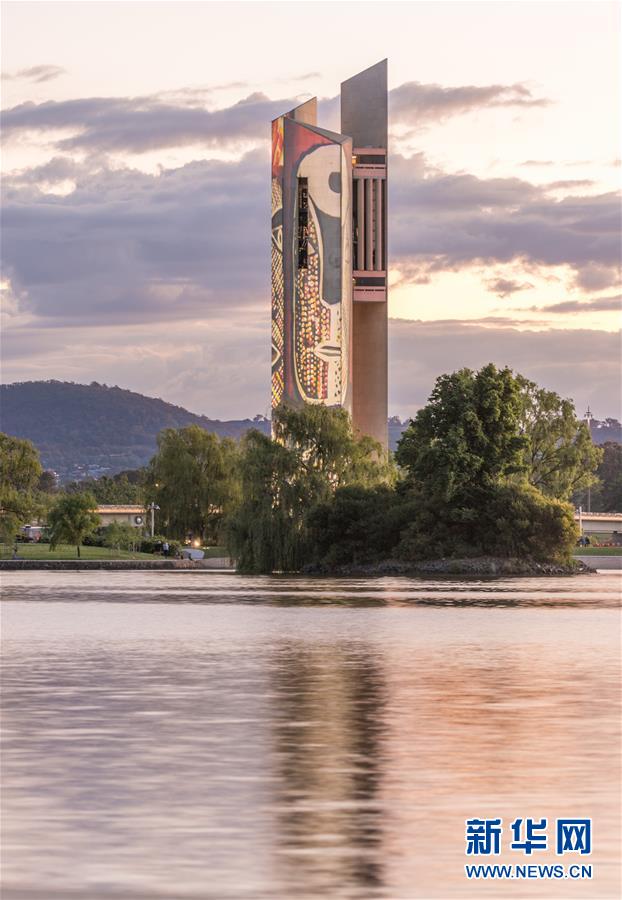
x: 364, y: 118
x: 329, y: 256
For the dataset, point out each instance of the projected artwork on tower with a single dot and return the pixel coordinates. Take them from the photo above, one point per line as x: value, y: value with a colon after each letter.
x: 278, y: 307
x: 310, y: 239
x: 329, y: 255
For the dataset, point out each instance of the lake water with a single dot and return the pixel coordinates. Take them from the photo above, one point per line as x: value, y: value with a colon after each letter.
x: 204, y: 735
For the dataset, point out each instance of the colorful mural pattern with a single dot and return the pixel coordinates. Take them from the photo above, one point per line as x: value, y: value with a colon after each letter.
x: 278, y: 285
x: 312, y: 326
x: 278, y: 294
x: 309, y: 363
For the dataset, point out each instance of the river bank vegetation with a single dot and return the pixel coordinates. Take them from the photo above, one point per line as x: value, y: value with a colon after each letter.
x: 488, y: 468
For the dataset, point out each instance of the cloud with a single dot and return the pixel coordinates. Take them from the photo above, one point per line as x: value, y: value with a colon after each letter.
x: 128, y: 246
x: 504, y: 287
x: 54, y: 171
x: 597, y: 277
x: 448, y: 222
x: 178, y: 260
x: 141, y: 124
x: 423, y: 103
x: 307, y: 76
x: 190, y: 242
x: 37, y: 74
x: 595, y: 304
x: 221, y: 367
x: 570, y: 184
x: 180, y: 118
x: 581, y: 364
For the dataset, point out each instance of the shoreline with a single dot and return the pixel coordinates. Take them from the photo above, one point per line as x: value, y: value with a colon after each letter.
x: 477, y: 567
x: 214, y: 564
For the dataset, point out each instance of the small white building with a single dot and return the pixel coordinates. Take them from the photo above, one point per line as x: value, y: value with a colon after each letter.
x: 123, y: 514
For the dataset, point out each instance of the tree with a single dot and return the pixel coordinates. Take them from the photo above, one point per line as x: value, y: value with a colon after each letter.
x: 119, y: 536
x: 326, y: 446
x: 559, y: 457
x: 193, y: 479
x: 467, y: 435
x: 358, y: 525
x: 610, y: 474
x: 20, y: 470
x: 124, y: 487
x: 469, y: 454
x: 47, y: 482
x: 313, y: 454
x: 511, y: 520
x: 606, y: 495
x: 71, y: 519
x: 265, y: 531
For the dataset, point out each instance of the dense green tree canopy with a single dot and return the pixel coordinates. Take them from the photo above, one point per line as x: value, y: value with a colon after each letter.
x: 71, y: 519
x: 315, y: 452
x: 265, y: 531
x: 119, y: 536
x: 606, y: 494
x: 467, y: 435
x: 610, y: 475
x: 559, y: 457
x: 325, y: 445
x: 20, y: 471
x: 47, y: 483
x: 193, y: 479
x: 126, y: 487
x: 20, y: 468
x: 359, y: 525
x: 487, y: 460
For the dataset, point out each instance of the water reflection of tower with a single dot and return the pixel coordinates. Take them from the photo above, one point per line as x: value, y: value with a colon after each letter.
x: 327, y: 733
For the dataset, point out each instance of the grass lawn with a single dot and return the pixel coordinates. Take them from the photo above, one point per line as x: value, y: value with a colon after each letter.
x: 64, y: 551
x: 598, y: 551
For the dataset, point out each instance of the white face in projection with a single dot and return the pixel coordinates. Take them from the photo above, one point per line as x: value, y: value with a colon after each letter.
x: 322, y: 168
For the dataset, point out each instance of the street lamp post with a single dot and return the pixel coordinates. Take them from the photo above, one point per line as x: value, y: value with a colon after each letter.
x: 588, y: 419
x: 152, y: 508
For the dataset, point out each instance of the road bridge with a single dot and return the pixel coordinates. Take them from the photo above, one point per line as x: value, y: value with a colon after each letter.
x: 599, y: 522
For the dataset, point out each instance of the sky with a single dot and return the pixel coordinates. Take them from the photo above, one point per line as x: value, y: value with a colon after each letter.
x: 136, y: 225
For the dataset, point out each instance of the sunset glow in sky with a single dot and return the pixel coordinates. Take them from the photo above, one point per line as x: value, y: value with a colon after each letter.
x: 136, y: 189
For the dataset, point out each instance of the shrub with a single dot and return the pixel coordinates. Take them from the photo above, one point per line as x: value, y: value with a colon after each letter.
x: 525, y: 522
x: 507, y: 520
x: 154, y: 545
x: 96, y: 539
x: 119, y: 536
x: 358, y: 525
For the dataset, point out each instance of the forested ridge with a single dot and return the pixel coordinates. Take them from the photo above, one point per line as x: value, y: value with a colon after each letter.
x: 80, y: 428
x: 94, y: 429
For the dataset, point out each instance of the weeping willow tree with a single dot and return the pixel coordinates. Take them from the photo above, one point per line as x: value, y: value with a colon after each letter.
x: 314, y: 452
x: 193, y: 481
x: 20, y: 470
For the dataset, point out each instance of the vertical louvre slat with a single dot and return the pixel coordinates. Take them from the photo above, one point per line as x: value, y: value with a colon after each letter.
x: 379, y: 217
x: 369, y: 224
x: 360, y: 199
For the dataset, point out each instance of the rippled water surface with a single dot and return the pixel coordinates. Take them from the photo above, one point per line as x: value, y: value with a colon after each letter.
x: 202, y: 735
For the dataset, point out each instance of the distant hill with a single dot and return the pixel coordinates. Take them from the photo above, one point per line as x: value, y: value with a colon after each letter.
x: 609, y: 430
x: 601, y: 431
x: 85, y: 430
